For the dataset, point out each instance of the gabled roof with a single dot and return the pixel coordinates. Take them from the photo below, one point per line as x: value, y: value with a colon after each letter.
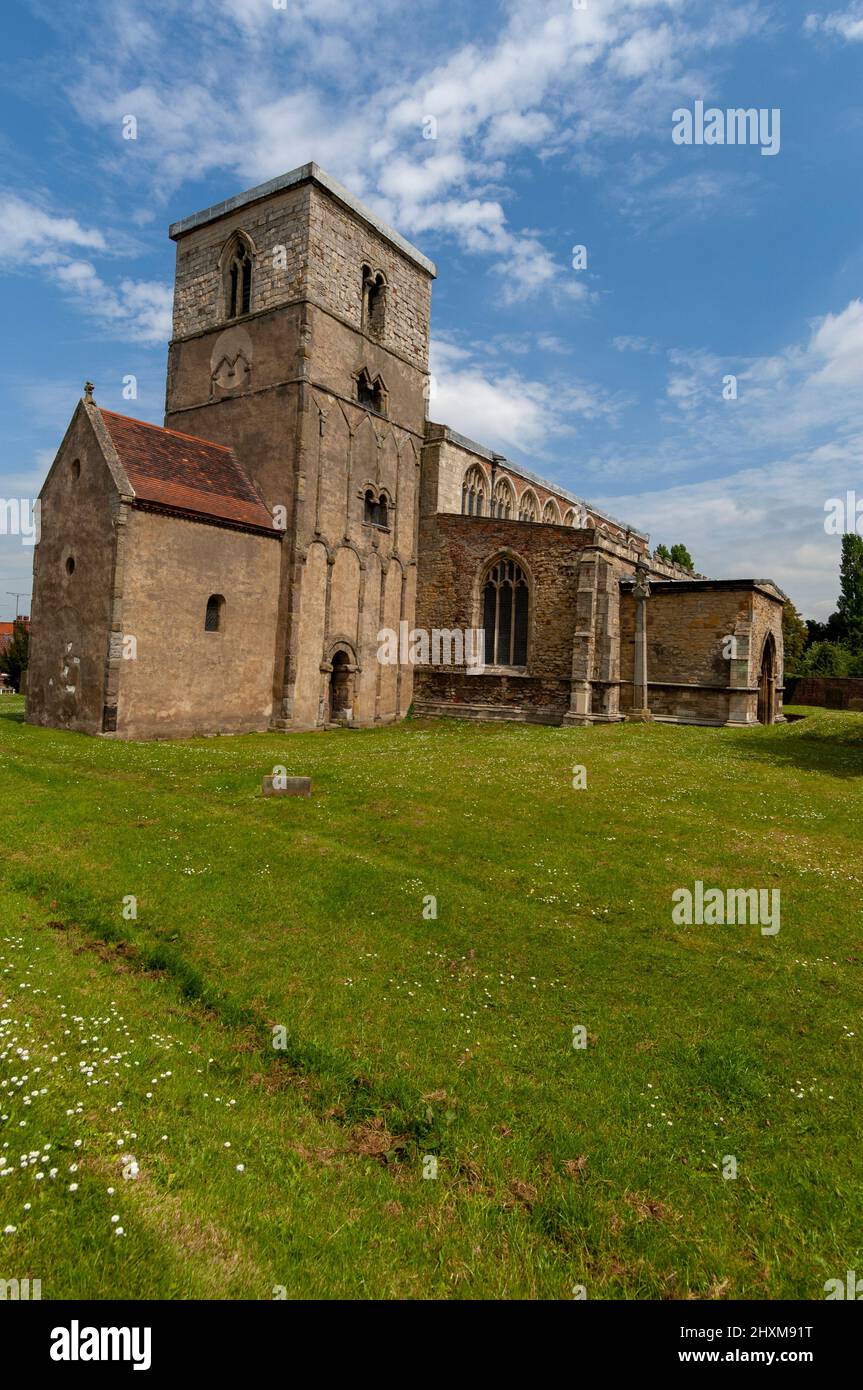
x: 186, y: 474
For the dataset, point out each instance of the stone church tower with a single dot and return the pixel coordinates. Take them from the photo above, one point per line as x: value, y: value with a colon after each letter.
x: 300, y: 340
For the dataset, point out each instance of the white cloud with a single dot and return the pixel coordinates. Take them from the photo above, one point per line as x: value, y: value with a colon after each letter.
x: 633, y: 343
x: 767, y: 462
x: 757, y: 523
x: 504, y: 409
x: 550, y: 80
x: 27, y: 230
x: 643, y: 52
x: 43, y: 241
x: 838, y: 340
x: 843, y: 24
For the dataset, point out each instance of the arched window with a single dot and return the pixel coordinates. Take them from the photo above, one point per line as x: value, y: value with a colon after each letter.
x: 374, y: 300
x: 550, y: 512
x: 238, y: 278
x: 528, y: 507
x: 214, y: 617
x: 375, y: 509
x: 473, y: 492
x: 505, y: 614
x: 371, y: 394
x: 503, y: 502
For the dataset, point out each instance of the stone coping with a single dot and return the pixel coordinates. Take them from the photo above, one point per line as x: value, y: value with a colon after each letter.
x: 306, y: 173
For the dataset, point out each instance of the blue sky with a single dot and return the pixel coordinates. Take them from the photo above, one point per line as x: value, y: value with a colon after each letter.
x: 553, y: 129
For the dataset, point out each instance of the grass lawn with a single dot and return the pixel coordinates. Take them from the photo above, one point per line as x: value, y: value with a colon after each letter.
x: 141, y: 1050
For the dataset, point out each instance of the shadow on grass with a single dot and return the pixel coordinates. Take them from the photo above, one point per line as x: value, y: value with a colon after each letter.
x: 823, y: 742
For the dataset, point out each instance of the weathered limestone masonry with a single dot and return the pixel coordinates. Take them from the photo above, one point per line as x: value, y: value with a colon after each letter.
x: 707, y: 641
x: 284, y: 384
x: 127, y: 563
x: 234, y: 570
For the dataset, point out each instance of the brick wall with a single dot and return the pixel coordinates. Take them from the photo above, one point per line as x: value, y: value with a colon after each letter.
x: 453, y: 552
x: 831, y: 692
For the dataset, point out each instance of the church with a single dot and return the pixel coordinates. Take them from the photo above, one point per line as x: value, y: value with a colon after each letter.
x: 232, y: 570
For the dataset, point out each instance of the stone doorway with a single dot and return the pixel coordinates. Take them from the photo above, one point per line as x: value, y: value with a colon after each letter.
x: 767, y: 684
x: 340, y: 689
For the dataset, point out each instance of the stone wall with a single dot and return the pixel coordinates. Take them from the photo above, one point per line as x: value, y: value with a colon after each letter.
x: 279, y: 221
x: 184, y: 680
x: 339, y: 244
x: 831, y: 692
x: 306, y: 246
x: 72, y: 612
x: 454, y: 551
x: 689, y: 625
x: 449, y: 456
x: 280, y: 386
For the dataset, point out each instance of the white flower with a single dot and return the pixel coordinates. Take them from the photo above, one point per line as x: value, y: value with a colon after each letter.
x: 9, y: 1230
x: 119, y: 1231
x: 115, y: 1218
x: 73, y: 1187
x: 241, y: 1167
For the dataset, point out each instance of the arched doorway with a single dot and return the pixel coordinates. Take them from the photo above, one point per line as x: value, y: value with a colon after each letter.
x: 340, y: 688
x: 767, y: 683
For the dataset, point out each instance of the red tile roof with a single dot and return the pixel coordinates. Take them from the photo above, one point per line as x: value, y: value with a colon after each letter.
x: 186, y: 474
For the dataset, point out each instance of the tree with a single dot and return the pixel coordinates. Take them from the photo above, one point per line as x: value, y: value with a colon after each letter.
x: 681, y: 556
x: 15, y: 654
x: 826, y: 659
x: 663, y: 553
x: 795, y: 636
x: 849, y: 609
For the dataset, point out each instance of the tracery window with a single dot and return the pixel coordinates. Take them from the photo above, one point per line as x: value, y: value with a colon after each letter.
x: 505, y: 606
x: 528, y: 509
x: 503, y: 500
x: 473, y: 492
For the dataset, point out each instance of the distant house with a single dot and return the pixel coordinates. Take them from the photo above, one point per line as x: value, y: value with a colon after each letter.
x: 6, y: 631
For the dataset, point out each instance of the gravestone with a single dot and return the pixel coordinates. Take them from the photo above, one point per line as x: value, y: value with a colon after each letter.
x: 279, y: 785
